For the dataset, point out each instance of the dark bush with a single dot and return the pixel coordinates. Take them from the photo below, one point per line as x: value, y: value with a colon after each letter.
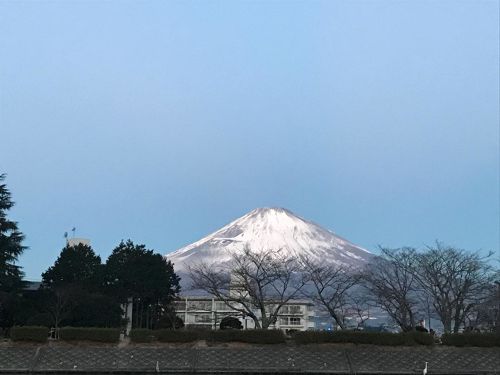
x: 230, y: 322
x: 40, y: 319
x: 142, y: 335
x: 359, y: 337
x: 291, y: 332
x: 167, y: 322
x: 471, y: 339
x: 89, y: 334
x: 421, y: 338
x: 29, y: 333
x: 170, y: 335
x: 253, y: 336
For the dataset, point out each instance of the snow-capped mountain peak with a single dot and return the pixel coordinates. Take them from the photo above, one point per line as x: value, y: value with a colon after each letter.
x: 266, y: 229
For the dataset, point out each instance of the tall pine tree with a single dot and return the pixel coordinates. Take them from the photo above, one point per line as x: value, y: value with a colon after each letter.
x: 10, y: 249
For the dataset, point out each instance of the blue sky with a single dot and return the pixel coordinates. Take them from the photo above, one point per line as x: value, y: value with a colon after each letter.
x: 162, y: 121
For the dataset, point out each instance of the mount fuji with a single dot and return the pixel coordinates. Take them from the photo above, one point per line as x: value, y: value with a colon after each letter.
x: 266, y: 229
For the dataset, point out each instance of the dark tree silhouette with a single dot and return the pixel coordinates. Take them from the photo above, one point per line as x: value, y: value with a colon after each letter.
x: 132, y: 271
x: 11, y: 248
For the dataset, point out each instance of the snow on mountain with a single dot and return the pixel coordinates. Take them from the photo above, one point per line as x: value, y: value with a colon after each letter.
x: 270, y: 228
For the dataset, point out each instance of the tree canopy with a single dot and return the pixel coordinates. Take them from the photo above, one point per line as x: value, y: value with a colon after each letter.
x: 132, y: 271
x: 11, y: 246
x: 76, y: 265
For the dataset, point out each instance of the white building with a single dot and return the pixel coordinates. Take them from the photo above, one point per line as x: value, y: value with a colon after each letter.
x: 208, y: 312
x: 75, y: 241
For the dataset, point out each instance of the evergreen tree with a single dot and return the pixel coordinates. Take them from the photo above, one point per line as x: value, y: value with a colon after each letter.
x: 77, y: 266
x: 132, y: 271
x: 10, y: 244
x: 10, y: 249
x: 73, y: 290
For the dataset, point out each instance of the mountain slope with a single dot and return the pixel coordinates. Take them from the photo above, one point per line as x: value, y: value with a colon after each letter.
x: 270, y: 228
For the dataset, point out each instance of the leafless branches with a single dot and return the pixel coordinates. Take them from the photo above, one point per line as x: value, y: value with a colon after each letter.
x: 332, y: 287
x: 407, y: 284
x: 253, y: 281
x: 456, y: 281
x: 393, y: 286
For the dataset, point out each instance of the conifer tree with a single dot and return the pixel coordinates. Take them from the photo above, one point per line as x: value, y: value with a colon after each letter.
x: 11, y: 248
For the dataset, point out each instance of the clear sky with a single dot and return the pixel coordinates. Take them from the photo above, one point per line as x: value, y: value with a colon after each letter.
x: 162, y: 121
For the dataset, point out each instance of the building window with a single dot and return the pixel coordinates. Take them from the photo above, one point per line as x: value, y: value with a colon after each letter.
x: 221, y: 306
x: 180, y: 305
x: 294, y: 309
x: 290, y: 309
x: 200, y: 305
x: 283, y: 321
x: 295, y: 321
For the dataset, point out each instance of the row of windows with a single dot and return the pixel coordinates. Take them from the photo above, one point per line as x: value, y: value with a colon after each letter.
x: 201, y: 305
x: 203, y: 317
x: 221, y: 306
x: 207, y: 318
x: 290, y: 309
x: 290, y: 321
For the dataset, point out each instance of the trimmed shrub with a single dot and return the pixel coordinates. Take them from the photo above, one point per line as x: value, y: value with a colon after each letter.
x: 230, y: 322
x: 29, y: 333
x: 169, y: 335
x: 142, y: 335
x: 421, y: 338
x: 471, y: 339
x: 253, y: 336
x: 166, y: 322
x: 360, y: 337
x: 89, y: 334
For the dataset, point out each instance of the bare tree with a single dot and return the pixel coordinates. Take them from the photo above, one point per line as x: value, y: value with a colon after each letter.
x: 359, y: 308
x: 456, y: 280
x: 60, y: 302
x: 331, y: 285
x: 393, y: 286
x: 252, y: 282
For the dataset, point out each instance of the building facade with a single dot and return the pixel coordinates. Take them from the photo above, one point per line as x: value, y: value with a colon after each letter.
x: 208, y: 312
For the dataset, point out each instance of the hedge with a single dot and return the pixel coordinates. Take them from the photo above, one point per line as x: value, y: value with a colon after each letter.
x: 176, y: 335
x: 89, y: 334
x: 142, y: 335
x: 253, y: 336
x: 29, y: 333
x: 471, y: 339
x: 360, y: 337
x: 247, y: 336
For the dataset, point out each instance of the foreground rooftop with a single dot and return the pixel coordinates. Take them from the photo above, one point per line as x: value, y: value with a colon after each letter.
x: 249, y: 359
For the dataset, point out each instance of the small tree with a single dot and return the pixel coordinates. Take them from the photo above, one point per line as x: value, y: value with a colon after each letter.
x: 59, y: 302
x: 252, y: 281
